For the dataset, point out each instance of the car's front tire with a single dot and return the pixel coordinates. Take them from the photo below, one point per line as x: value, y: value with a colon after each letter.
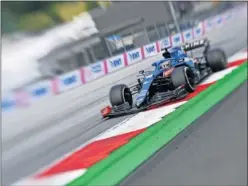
x: 183, y: 75
x: 119, y: 94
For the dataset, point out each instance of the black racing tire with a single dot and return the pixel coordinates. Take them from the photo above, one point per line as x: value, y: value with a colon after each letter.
x: 183, y: 75
x: 120, y: 94
x: 216, y: 59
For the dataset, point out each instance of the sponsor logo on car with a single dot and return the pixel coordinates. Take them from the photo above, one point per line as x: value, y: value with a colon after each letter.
x: 194, y: 44
x: 198, y: 42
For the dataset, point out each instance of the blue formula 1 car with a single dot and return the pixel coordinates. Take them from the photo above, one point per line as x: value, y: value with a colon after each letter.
x: 172, y: 78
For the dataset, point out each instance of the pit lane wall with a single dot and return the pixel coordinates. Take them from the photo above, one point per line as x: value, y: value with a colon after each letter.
x: 84, y: 75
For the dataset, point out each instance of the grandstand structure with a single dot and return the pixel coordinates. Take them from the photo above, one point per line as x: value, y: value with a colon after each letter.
x: 117, y: 33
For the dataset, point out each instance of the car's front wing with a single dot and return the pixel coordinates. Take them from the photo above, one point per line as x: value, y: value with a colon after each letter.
x: 158, y: 100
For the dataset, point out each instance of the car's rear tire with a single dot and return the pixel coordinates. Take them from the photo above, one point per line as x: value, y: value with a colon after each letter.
x: 183, y: 75
x: 216, y: 60
x: 120, y: 94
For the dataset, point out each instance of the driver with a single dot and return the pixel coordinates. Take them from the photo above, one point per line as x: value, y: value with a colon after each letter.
x: 166, y: 54
x: 180, y: 55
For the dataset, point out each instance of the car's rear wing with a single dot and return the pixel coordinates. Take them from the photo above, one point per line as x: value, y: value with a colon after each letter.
x: 197, y: 44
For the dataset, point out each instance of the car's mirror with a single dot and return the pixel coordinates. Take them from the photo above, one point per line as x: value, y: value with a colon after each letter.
x: 154, y: 65
x: 141, y: 72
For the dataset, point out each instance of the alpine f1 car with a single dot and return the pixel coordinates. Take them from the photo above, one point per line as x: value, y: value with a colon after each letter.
x: 173, y: 77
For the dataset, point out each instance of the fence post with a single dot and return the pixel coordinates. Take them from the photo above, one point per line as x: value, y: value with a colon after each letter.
x: 92, y: 53
x: 123, y: 44
x: 156, y: 28
x: 146, y: 33
x: 86, y: 57
x: 133, y: 34
x: 174, y: 15
x: 107, y: 44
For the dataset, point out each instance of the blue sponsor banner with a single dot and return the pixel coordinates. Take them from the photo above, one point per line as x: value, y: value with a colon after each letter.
x: 7, y: 104
x: 41, y: 91
x: 209, y: 24
x: 198, y: 31
x: 70, y: 80
x: 96, y: 68
x: 116, y: 62
x: 177, y: 39
x: 219, y: 20
x: 188, y: 35
x: 134, y: 55
x: 94, y: 71
x: 150, y: 49
x: 165, y: 43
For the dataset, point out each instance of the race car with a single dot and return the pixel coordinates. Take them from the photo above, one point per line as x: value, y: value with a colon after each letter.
x: 172, y: 78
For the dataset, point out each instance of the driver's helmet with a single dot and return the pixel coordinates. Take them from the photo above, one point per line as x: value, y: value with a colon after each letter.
x: 177, y: 52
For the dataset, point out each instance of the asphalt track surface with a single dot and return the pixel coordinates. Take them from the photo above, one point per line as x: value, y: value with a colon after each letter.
x: 25, y: 151
x: 212, y: 151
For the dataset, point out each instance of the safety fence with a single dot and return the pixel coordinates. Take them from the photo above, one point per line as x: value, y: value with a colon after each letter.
x: 82, y: 76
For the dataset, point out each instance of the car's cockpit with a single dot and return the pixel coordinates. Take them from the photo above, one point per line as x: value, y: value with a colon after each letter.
x: 175, y: 53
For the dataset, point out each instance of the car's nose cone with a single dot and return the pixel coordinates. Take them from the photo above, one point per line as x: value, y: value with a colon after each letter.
x: 139, y: 102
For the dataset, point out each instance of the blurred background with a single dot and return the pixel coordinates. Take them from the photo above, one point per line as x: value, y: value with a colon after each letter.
x: 42, y: 39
